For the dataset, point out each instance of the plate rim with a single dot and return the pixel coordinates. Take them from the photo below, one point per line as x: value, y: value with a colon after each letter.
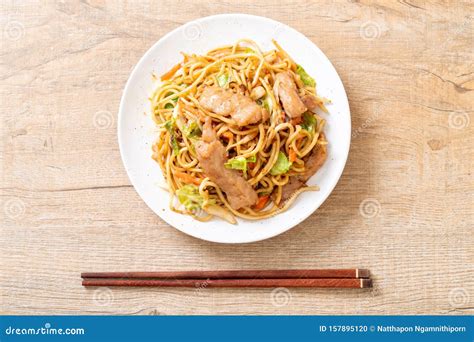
x: 121, y: 114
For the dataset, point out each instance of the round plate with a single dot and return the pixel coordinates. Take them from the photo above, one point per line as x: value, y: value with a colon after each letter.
x: 137, y: 132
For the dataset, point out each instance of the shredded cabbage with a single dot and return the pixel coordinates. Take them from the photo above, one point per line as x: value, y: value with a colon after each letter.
x: 237, y: 163
x: 309, y: 122
x: 192, y: 130
x: 281, y: 166
x: 222, y: 80
x: 169, y: 125
x: 307, y: 80
x: 189, y: 196
x: 265, y: 103
x: 240, y: 163
x: 174, y: 99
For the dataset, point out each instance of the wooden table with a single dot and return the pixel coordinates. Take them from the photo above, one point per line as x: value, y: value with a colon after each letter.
x: 403, y: 207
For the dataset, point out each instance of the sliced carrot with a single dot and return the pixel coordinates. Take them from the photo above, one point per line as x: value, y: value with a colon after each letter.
x: 296, y: 121
x: 228, y: 135
x: 170, y: 73
x: 187, y: 178
x: 292, y: 155
x: 262, y: 202
x: 185, y: 57
x: 251, y: 165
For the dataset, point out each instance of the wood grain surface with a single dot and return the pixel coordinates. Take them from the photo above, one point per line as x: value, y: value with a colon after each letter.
x: 403, y: 207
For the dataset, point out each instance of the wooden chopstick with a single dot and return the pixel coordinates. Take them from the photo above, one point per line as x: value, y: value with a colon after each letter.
x: 201, y: 283
x: 336, y: 278
x: 236, y: 274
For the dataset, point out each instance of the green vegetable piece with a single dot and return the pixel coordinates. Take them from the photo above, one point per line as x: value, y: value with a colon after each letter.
x: 307, y: 80
x: 309, y: 122
x: 192, y: 130
x: 169, y: 125
x: 281, y: 166
x: 265, y: 103
x: 237, y: 163
x: 222, y: 80
x: 189, y: 196
x: 174, y: 99
x: 240, y: 163
x: 174, y: 144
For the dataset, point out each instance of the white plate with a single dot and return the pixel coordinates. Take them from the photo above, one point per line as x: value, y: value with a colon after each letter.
x: 136, y: 131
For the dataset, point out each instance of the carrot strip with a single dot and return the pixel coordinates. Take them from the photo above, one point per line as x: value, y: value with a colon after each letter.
x: 187, y: 178
x: 170, y: 73
x: 292, y: 155
x: 296, y: 121
x: 262, y: 202
x: 228, y: 135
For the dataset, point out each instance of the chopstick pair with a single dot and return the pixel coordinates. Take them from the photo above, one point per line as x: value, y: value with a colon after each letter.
x: 331, y: 278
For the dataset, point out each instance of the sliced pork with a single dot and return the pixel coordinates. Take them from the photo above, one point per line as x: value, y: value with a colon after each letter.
x: 212, y: 157
x: 286, y: 91
x: 311, y: 102
x: 294, y: 183
x: 312, y: 164
x: 315, y: 160
x: 225, y: 102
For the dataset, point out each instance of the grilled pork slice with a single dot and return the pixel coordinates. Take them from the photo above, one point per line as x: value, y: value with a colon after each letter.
x: 212, y: 157
x: 312, y: 164
x: 286, y: 91
x: 311, y: 102
x: 225, y: 102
